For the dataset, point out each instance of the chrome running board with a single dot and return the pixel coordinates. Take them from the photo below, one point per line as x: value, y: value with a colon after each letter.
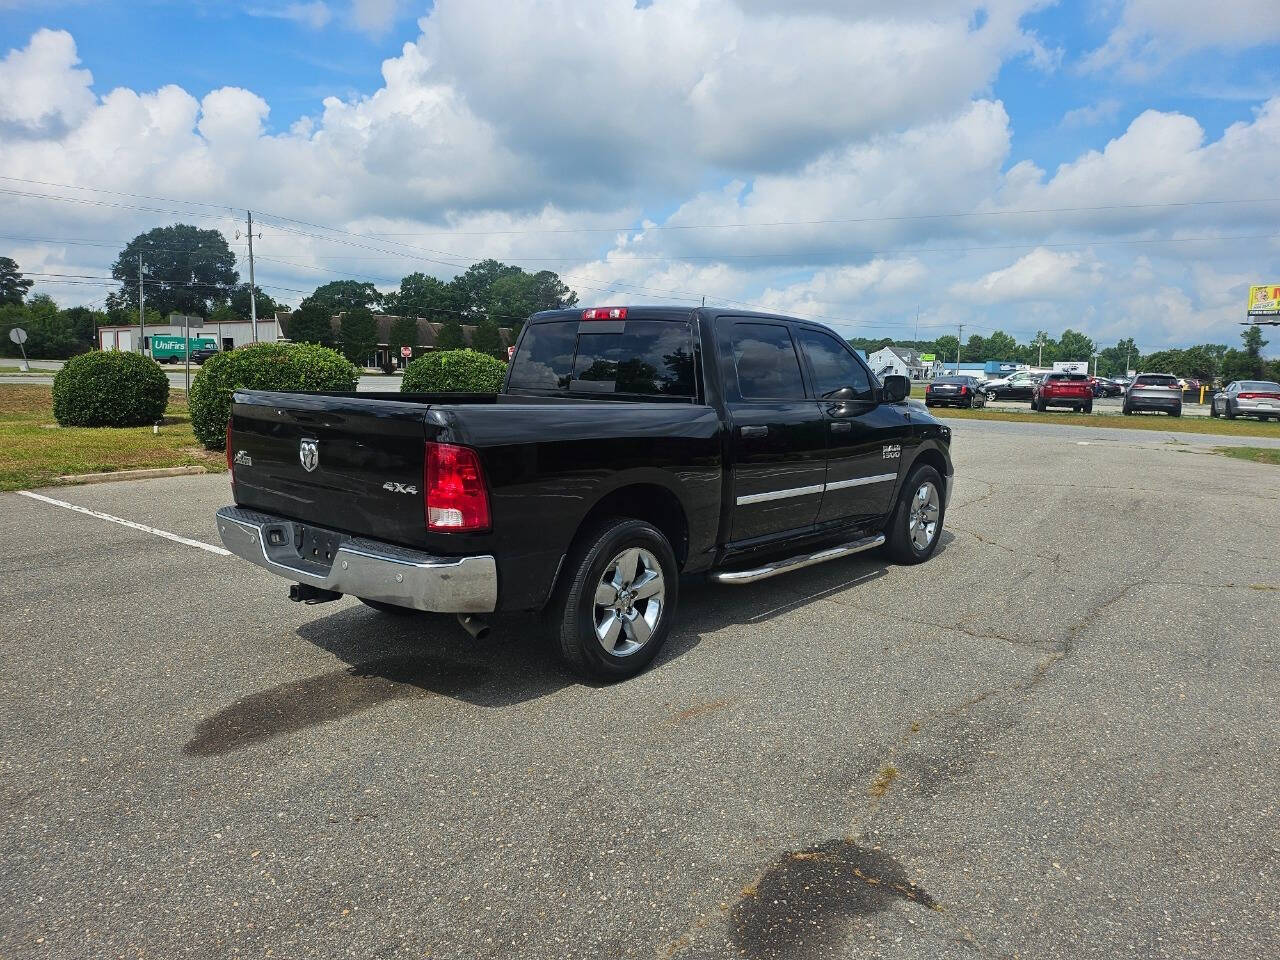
x: 797, y: 562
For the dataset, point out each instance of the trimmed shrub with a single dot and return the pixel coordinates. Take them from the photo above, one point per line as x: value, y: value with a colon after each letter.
x: 109, y: 389
x: 453, y: 371
x: 292, y: 367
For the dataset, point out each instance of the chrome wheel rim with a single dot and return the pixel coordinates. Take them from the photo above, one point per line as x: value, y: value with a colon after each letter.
x: 926, y: 508
x: 629, y: 601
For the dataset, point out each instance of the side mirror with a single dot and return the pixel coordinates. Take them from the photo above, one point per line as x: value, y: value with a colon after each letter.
x: 896, y: 389
x: 843, y: 395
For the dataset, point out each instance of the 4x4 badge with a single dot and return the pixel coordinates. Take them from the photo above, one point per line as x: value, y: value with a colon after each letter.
x: 309, y: 454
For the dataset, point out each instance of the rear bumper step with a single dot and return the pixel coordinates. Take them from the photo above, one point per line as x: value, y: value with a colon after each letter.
x: 359, y: 567
x: 797, y: 562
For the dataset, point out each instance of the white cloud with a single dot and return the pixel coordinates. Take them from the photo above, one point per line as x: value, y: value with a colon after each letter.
x: 314, y: 15
x: 1151, y: 33
x: 45, y: 93
x: 1040, y: 275
x: 483, y: 139
x: 1091, y: 115
x: 374, y: 16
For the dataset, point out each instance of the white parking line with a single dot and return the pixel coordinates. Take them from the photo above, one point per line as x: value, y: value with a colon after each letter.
x: 127, y: 523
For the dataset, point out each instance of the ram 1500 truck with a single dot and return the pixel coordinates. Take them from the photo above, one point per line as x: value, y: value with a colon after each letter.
x: 628, y: 446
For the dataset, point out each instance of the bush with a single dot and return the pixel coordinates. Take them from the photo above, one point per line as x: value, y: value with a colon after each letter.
x: 262, y: 366
x: 109, y: 390
x: 453, y: 371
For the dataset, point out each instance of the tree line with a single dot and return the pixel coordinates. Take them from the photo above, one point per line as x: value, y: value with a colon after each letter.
x: 1207, y: 361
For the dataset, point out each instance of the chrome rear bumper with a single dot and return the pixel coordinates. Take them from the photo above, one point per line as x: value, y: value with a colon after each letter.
x: 371, y: 569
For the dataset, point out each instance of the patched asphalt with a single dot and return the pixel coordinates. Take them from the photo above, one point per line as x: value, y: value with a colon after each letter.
x: 1058, y: 738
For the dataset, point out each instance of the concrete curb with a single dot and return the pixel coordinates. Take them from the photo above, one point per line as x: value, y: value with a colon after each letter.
x: 152, y: 474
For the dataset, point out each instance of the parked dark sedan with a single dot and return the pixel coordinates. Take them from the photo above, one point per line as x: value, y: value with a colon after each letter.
x: 203, y: 354
x: 954, y: 392
x: 1107, y: 387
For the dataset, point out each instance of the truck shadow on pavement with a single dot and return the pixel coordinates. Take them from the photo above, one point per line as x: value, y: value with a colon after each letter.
x: 419, y: 657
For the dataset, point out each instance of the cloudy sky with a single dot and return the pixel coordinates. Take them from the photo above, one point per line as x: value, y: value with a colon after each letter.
x: 1113, y: 166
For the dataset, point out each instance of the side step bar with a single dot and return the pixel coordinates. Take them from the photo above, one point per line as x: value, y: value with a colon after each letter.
x: 797, y: 562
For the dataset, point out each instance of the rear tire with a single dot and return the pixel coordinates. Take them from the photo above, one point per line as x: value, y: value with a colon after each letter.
x: 1088, y: 407
x: 613, y: 638
x: 1176, y: 412
x: 1127, y: 410
x: 915, y: 526
x: 394, y: 609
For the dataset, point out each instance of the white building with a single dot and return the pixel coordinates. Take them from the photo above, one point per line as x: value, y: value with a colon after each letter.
x: 898, y: 361
x: 229, y: 335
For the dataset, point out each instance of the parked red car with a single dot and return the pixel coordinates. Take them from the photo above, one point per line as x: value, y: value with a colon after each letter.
x: 1063, y: 390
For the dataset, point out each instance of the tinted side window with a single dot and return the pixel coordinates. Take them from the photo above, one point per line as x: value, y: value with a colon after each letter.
x: 834, y: 367
x: 545, y: 358
x: 766, y: 361
x: 648, y: 357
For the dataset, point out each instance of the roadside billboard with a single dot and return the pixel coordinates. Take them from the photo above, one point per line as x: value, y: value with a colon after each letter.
x: 1264, y: 301
x: 1071, y: 366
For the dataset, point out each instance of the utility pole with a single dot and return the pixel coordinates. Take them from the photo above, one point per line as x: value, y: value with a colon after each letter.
x: 1040, y: 355
x: 916, y: 335
x: 1126, y: 357
x: 142, y: 317
x: 959, y: 347
x: 253, y: 299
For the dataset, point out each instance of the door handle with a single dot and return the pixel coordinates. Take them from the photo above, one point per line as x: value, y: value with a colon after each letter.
x: 841, y: 426
x: 759, y: 431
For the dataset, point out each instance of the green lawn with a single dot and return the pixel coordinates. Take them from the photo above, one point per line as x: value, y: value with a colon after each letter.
x: 34, y: 451
x: 1150, y: 421
x: 1253, y: 454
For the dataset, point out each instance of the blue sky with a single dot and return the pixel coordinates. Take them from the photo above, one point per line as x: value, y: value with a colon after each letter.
x: 788, y: 155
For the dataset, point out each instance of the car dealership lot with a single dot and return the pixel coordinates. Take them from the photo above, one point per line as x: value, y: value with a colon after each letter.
x: 1056, y: 738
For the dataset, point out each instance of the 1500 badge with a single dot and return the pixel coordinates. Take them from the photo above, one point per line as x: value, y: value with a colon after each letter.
x: 391, y: 487
x: 891, y: 452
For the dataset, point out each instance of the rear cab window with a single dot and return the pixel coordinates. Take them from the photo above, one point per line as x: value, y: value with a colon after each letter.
x: 766, y: 364
x: 628, y: 359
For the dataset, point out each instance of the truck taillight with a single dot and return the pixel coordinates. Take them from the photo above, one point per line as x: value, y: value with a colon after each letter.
x: 455, y: 495
x: 964, y: 391
x: 604, y: 313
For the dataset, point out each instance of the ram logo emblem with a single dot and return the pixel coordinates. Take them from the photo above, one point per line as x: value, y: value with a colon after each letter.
x: 309, y: 454
x: 891, y: 451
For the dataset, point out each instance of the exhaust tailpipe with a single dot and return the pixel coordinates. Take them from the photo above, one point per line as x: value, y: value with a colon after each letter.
x: 474, y: 624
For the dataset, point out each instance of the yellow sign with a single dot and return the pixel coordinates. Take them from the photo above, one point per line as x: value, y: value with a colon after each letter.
x: 1264, y: 301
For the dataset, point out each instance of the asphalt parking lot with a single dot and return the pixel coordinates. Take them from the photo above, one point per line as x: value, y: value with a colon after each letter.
x: 1057, y: 738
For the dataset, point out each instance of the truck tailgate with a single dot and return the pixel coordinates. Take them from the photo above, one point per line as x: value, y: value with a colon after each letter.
x: 349, y: 464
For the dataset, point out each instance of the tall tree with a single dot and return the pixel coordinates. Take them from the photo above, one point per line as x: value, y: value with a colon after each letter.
x: 486, y: 339
x: 550, y: 293
x: 422, y: 295
x: 13, y: 285
x: 1001, y: 346
x: 451, y: 336
x: 311, y: 323
x: 185, y: 269
x: 343, y: 296
x: 1074, y: 346
x: 947, y: 346
x: 403, y: 333
x: 472, y: 287
x: 239, y: 303
x: 358, y: 331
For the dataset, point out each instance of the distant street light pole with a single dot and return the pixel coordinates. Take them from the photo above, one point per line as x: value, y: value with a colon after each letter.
x: 959, y: 347
x: 253, y: 300
x: 142, y: 317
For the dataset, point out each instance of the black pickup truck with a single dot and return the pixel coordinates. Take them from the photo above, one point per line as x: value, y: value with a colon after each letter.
x: 629, y: 446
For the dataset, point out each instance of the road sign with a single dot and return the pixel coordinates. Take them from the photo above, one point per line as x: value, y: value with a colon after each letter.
x: 406, y: 352
x: 18, y: 335
x: 511, y: 352
x: 183, y: 320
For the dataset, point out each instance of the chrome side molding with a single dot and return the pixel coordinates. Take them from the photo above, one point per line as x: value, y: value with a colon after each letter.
x: 797, y: 562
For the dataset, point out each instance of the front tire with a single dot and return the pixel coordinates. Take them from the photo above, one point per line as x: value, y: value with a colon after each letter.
x: 1213, y: 409
x: 614, y: 609
x: 1231, y: 414
x: 915, y: 525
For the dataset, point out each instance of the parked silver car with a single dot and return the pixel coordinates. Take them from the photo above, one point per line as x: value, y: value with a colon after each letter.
x: 1247, y: 398
x: 1154, y: 391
